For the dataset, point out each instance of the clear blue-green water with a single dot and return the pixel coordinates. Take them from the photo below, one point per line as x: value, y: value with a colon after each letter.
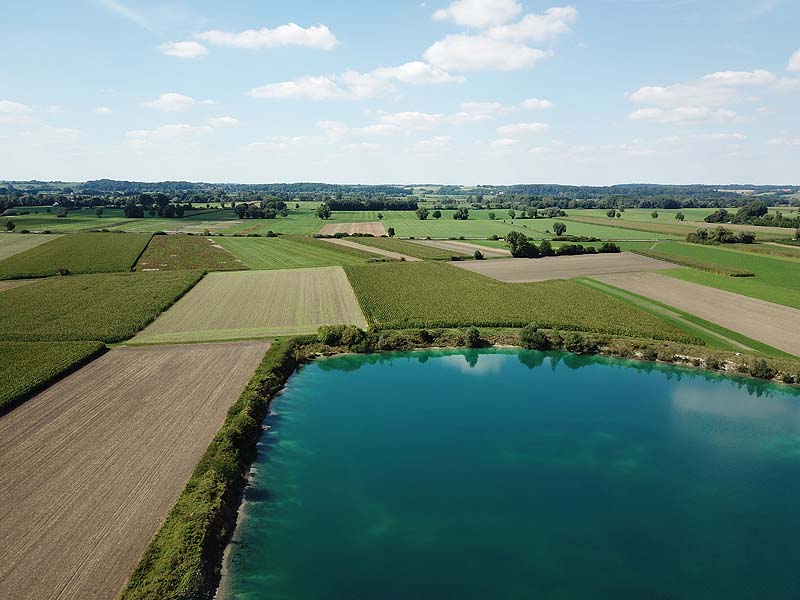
x: 507, y: 474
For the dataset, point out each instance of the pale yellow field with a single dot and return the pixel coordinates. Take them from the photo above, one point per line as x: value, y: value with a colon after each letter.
x: 376, y: 229
x: 14, y: 243
x: 258, y: 304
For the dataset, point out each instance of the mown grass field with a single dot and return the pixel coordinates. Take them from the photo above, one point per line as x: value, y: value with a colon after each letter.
x: 776, y: 279
x: 289, y: 253
x: 186, y: 252
x: 14, y: 243
x: 431, y: 294
x: 408, y: 248
x: 78, y: 253
x: 105, y: 307
x: 258, y: 304
x: 26, y: 367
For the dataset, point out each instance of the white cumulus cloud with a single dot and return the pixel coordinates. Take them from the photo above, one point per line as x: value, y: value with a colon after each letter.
x: 102, y: 110
x: 291, y: 34
x: 184, y: 49
x: 225, y: 121
x: 479, y: 13
x: 794, y: 62
x: 10, y: 107
x: 682, y: 114
x: 462, y: 52
x: 171, y: 102
x: 538, y: 27
x: 536, y: 104
x: 522, y: 128
x: 167, y: 133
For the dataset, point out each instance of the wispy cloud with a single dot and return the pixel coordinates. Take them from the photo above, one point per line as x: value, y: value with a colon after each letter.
x: 126, y: 12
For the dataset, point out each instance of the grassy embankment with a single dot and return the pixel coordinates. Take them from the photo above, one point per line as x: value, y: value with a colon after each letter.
x: 776, y: 279
x: 186, y: 253
x: 77, y: 253
x: 14, y: 243
x: 429, y: 294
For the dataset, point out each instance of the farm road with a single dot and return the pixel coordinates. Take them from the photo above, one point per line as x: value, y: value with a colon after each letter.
x: 91, y: 466
x: 766, y: 322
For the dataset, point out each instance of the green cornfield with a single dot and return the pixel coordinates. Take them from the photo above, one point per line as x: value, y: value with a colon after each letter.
x: 109, y: 308
x: 77, y: 253
x: 431, y: 294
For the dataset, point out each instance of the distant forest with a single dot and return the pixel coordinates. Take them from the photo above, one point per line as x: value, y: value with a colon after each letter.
x: 107, y: 192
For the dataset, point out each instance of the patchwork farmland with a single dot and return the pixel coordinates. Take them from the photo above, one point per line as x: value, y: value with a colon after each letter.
x: 258, y: 304
x: 122, y: 352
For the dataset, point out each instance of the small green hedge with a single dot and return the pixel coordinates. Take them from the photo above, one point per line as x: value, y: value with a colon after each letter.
x: 183, y: 559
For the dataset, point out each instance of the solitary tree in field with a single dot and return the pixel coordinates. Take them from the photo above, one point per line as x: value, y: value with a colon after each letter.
x: 98, y: 211
x: 679, y: 216
x: 422, y: 213
x: 619, y: 214
x: 492, y: 216
x: 437, y: 214
x: 323, y: 211
x: 10, y: 225
x: 511, y: 213
x: 380, y: 216
x: 654, y: 214
x: 611, y: 213
x: 390, y: 231
x: 559, y: 228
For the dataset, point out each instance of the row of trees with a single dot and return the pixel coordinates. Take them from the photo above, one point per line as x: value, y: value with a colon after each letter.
x: 721, y: 235
x: 521, y: 246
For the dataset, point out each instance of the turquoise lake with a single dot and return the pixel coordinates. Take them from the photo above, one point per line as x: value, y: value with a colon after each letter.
x: 514, y: 474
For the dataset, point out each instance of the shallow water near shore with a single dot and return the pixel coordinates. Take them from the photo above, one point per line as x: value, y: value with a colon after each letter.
x: 516, y: 474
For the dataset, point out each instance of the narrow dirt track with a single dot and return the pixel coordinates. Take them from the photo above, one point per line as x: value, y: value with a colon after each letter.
x: 90, y: 467
x: 378, y: 251
x: 766, y: 322
x: 465, y: 247
x: 525, y: 270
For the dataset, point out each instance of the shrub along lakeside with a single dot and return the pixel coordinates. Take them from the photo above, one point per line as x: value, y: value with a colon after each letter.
x: 183, y: 561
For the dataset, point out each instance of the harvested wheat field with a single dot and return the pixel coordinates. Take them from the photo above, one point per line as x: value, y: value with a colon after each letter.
x: 376, y: 229
x: 465, y: 247
x: 14, y: 243
x: 90, y: 466
x: 257, y: 304
x: 766, y: 322
x: 525, y: 270
x: 371, y: 249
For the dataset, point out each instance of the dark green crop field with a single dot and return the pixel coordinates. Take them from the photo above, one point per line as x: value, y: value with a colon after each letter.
x: 186, y: 252
x: 26, y: 367
x: 110, y: 308
x: 430, y: 294
x: 77, y: 253
x: 409, y: 248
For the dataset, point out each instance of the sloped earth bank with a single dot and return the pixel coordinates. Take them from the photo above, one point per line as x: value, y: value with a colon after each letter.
x: 766, y: 322
x: 378, y: 251
x: 465, y: 247
x: 90, y: 466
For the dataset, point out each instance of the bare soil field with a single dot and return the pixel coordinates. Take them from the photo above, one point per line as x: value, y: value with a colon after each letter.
x: 766, y: 322
x: 90, y: 466
x: 258, y: 304
x: 466, y: 247
x: 525, y: 270
x: 14, y: 283
x: 14, y: 243
x: 376, y: 229
x: 373, y: 250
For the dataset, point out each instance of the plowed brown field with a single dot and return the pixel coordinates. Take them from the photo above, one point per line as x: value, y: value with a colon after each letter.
x: 90, y: 466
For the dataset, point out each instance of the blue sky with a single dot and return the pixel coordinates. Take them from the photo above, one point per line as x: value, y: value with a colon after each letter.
x: 471, y: 91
